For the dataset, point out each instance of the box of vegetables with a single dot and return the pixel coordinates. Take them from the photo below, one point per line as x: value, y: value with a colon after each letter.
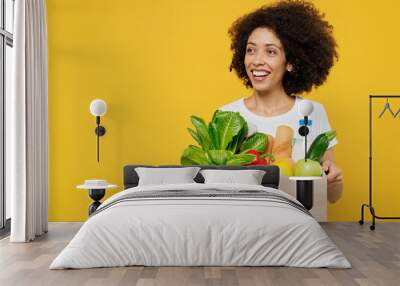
x: 228, y: 140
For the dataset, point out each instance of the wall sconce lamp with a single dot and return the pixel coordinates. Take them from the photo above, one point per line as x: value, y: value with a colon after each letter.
x: 304, y: 185
x: 98, y: 108
x: 305, y: 109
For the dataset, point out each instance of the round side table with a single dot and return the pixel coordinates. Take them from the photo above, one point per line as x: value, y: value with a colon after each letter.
x: 305, y: 190
x: 96, y: 193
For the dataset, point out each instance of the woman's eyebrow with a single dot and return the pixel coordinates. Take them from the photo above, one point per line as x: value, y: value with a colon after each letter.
x: 268, y: 45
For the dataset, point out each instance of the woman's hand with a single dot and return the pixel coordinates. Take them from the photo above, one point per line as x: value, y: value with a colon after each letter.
x: 333, y: 173
x: 334, y: 177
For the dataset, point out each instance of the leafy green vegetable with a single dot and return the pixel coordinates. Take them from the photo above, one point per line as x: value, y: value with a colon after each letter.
x: 320, y: 145
x: 238, y: 139
x: 214, y: 136
x: 202, y: 132
x: 194, y: 155
x: 258, y: 141
x: 194, y: 135
x: 241, y: 159
x: 220, y: 157
x: 223, y: 141
x: 218, y: 115
x: 228, y: 126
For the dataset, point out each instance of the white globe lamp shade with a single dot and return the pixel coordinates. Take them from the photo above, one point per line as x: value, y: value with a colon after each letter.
x: 98, y: 107
x: 305, y: 107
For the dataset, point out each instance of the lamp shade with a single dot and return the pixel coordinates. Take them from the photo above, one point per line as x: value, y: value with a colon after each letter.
x: 305, y: 107
x: 98, y: 107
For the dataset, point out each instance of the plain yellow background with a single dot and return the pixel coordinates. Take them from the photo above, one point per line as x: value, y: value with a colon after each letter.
x: 156, y: 63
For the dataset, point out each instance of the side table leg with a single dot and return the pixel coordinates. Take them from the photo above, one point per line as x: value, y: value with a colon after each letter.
x: 304, y: 193
x: 96, y: 195
x: 93, y: 207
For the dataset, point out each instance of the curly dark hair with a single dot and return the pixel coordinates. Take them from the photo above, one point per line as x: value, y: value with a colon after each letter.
x: 306, y: 38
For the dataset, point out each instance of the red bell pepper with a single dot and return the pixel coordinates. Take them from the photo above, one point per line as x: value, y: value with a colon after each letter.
x: 258, y: 160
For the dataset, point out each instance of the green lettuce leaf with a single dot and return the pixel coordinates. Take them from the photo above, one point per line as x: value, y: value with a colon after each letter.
x: 214, y: 136
x: 238, y: 139
x: 257, y: 141
x: 202, y: 132
x: 241, y: 159
x: 228, y: 126
x: 194, y: 155
x: 195, y: 136
x: 220, y: 157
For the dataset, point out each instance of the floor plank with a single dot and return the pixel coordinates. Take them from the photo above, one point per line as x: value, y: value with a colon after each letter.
x: 375, y: 257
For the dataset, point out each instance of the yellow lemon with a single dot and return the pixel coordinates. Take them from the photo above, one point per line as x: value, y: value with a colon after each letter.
x: 285, y: 166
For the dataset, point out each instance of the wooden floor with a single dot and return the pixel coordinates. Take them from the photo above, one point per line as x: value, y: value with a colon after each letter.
x: 375, y: 257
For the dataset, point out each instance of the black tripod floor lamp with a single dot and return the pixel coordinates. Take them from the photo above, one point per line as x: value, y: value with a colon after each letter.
x: 370, y: 203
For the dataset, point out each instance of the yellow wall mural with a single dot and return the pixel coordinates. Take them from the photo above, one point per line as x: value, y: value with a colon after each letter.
x: 156, y: 63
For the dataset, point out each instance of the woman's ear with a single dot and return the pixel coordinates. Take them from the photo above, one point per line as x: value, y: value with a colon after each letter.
x: 289, y: 67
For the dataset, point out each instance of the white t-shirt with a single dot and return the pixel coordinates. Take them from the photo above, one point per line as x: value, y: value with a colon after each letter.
x: 318, y: 120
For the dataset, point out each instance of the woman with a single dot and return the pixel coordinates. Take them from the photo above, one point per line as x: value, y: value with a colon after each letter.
x: 282, y: 50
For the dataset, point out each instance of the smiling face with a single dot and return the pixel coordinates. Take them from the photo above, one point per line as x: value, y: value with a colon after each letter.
x: 265, y: 60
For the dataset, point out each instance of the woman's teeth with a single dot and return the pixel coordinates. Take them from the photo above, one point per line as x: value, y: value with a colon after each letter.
x: 260, y: 75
